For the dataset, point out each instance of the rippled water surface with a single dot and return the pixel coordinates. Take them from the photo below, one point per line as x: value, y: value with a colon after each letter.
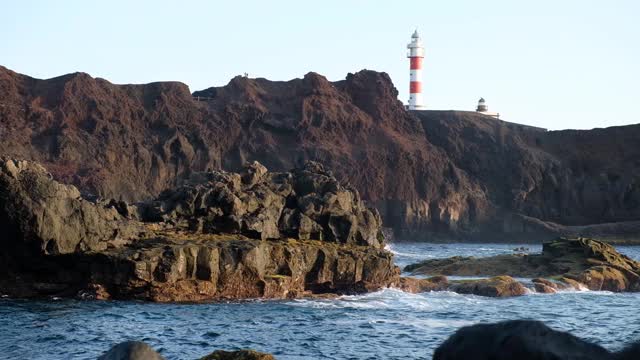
x: 385, y: 325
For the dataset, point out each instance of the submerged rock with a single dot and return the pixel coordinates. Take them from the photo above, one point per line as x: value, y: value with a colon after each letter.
x: 218, y: 236
x: 238, y: 355
x: 571, y: 263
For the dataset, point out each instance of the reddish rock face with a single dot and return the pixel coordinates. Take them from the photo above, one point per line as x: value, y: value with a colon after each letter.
x: 430, y: 174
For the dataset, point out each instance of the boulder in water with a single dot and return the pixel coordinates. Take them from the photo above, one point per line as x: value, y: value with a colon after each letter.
x: 131, y: 350
x: 519, y: 339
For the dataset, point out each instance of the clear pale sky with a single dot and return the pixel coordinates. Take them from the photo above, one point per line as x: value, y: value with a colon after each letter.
x: 555, y: 64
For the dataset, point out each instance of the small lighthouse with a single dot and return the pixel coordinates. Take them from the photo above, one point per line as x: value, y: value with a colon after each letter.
x: 484, y: 109
x: 415, y: 55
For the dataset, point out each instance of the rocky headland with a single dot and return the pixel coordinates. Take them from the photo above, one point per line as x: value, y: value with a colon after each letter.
x: 219, y: 235
x: 432, y: 175
x: 564, y: 263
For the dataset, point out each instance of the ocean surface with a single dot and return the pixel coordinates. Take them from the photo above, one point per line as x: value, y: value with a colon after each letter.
x: 388, y: 324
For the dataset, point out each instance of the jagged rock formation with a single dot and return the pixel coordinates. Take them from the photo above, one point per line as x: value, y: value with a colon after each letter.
x: 50, y: 217
x: 430, y: 174
x: 566, y: 263
x: 308, y: 203
x: 58, y: 243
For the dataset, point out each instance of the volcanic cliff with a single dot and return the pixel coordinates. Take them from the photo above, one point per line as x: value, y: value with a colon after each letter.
x: 431, y: 174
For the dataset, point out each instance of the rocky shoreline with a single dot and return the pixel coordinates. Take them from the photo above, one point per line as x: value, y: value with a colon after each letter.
x: 254, y: 234
x: 565, y: 263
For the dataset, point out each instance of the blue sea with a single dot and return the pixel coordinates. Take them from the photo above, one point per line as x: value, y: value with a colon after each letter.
x: 389, y: 324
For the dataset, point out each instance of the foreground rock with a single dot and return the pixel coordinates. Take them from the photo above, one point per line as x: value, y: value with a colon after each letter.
x: 218, y: 236
x: 520, y: 339
x: 137, y: 350
x: 578, y: 263
x: 131, y: 350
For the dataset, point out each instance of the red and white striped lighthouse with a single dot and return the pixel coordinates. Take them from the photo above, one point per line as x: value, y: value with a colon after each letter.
x: 415, y: 55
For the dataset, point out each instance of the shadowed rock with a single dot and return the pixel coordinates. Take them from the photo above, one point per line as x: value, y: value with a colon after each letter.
x: 519, y: 339
x: 131, y: 350
x: 41, y: 216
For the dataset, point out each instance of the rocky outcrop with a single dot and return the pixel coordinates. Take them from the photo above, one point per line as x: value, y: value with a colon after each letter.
x: 431, y: 174
x: 307, y: 203
x: 181, y: 267
x: 499, y: 286
x: 219, y: 236
x: 578, y: 263
x: 39, y: 215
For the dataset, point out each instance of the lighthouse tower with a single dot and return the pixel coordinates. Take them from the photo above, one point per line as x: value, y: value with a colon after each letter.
x: 415, y: 55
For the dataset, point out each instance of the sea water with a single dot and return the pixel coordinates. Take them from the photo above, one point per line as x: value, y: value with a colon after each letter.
x: 388, y: 324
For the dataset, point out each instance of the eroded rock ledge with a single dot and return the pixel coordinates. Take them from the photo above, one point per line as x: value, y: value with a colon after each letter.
x: 565, y: 263
x: 217, y: 236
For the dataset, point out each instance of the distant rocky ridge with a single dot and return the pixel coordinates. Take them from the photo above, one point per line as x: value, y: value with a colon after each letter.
x: 432, y: 175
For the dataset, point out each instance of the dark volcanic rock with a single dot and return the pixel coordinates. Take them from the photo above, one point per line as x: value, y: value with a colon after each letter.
x: 429, y: 173
x: 307, y: 203
x: 572, y: 263
x: 137, y: 350
x: 59, y: 244
x: 43, y: 217
x: 131, y: 350
x: 519, y: 339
